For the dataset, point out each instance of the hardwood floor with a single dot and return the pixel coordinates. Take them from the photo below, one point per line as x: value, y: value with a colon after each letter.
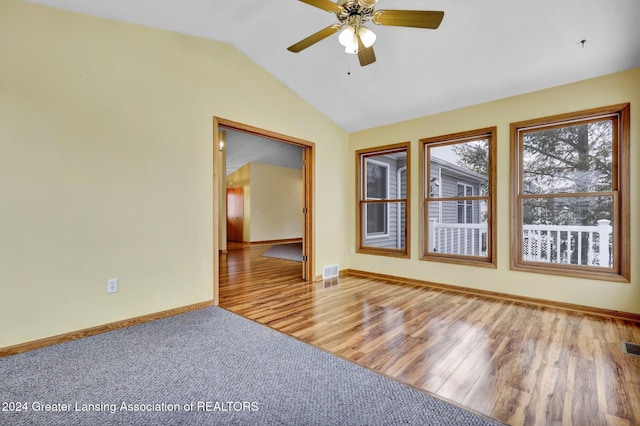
x: 518, y: 363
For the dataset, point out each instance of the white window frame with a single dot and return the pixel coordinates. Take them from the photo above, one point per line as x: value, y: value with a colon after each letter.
x: 464, y: 202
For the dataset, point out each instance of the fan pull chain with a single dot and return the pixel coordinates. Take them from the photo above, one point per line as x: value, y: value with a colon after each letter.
x: 349, y: 59
x: 348, y: 64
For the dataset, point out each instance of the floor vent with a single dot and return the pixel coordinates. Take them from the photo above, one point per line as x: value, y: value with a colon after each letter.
x: 330, y: 271
x: 631, y: 348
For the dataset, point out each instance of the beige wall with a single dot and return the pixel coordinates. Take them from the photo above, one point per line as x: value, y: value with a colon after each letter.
x: 608, y: 90
x: 276, y: 202
x: 272, y: 201
x: 106, y: 166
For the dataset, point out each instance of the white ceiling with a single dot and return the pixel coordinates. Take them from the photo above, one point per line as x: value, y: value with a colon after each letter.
x: 242, y: 148
x: 483, y: 50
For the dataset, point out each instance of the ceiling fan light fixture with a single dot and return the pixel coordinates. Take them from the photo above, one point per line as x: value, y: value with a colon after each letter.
x: 367, y: 36
x: 347, y: 36
x: 354, y: 36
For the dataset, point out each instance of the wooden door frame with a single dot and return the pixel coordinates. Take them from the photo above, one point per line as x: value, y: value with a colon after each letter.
x: 308, y: 164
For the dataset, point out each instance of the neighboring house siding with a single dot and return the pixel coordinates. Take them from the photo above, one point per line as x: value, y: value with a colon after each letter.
x: 403, y: 211
x: 390, y: 239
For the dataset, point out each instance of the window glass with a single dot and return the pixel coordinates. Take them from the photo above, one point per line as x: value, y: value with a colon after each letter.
x: 459, y: 201
x: 570, y: 189
x: 383, y: 203
x: 458, y: 237
x: 377, y: 177
x: 569, y: 230
x: 575, y: 158
x: 376, y: 219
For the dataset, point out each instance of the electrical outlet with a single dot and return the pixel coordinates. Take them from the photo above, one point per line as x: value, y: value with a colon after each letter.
x: 112, y: 285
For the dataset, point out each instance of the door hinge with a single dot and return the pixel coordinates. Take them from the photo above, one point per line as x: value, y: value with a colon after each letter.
x: 304, y: 210
x: 305, y: 258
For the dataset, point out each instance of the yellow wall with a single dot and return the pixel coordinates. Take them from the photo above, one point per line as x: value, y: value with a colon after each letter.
x: 276, y: 202
x: 272, y: 207
x: 106, y: 166
x: 608, y: 90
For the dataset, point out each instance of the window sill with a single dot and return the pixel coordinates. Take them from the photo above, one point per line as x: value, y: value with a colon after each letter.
x: 592, y: 273
x: 460, y: 260
x: 384, y: 252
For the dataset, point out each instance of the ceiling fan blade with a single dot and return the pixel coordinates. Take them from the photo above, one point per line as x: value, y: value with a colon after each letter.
x: 327, y: 5
x: 409, y: 18
x: 365, y: 54
x: 314, y: 38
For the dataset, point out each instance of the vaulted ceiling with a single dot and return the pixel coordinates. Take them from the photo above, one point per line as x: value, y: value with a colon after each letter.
x: 483, y: 50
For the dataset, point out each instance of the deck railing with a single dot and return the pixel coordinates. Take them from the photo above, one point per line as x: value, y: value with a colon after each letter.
x: 458, y: 238
x: 576, y: 245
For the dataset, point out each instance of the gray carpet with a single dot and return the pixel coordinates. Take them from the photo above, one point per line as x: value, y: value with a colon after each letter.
x: 206, y: 367
x: 292, y: 251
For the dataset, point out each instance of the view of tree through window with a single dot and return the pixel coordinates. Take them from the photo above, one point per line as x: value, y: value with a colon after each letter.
x: 572, y: 160
x: 568, y: 198
x: 458, y: 189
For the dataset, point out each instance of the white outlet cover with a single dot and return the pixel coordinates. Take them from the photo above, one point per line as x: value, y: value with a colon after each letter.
x: 112, y: 285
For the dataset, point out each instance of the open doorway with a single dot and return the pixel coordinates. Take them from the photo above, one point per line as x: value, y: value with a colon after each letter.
x: 297, y: 227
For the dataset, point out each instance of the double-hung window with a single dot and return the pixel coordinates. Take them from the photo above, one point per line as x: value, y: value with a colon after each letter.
x: 570, y: 194
x: 383, y: 203
x: 458, y: 185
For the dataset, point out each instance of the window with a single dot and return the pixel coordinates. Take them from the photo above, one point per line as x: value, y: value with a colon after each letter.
x: 383, y: 204
x: 458, y: 185
x: 570, y: 194
x: 376, y: 188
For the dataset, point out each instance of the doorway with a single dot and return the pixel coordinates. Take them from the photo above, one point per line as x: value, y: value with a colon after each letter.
x: 235, y: 214
x: 221, y: 195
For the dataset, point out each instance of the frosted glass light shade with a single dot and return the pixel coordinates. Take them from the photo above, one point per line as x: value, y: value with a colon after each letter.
x: 348, y: 39
x: 367, y: 36
x: 347, y: 36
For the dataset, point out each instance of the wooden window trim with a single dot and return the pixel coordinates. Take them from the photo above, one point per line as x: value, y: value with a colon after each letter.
x: 620, y: 182
x: 490, y: 261
x: 361, y: 155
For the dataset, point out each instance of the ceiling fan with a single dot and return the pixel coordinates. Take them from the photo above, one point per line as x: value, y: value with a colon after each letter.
x: 356, y: 37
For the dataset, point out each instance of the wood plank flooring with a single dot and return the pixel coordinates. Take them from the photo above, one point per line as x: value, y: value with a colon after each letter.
x: 518, y: 363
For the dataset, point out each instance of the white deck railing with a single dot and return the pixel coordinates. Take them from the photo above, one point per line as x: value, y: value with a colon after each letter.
x: 458, y: 238
x: 577, y: 245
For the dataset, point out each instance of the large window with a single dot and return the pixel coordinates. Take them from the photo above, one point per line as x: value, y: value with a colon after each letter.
x: 458, y: 185
x: 383, y: 204
x: 570, y: 194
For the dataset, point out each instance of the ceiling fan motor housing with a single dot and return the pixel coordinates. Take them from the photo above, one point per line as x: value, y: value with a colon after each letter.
x: 359, y: 10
